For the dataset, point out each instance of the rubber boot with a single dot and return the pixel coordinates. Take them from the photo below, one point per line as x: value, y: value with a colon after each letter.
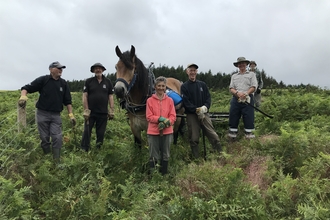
x: 46, y: 150
x: 164, y: 167
x: 56, y: 154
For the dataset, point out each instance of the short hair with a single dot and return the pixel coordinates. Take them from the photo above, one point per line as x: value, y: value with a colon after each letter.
x: 160, y: 79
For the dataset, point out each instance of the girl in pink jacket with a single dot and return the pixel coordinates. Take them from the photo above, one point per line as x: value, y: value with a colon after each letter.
x: 160, y: 114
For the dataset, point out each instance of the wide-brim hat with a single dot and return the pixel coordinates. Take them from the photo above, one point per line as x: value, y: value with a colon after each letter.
x: 192, y: 65
x: 57, y: 65
x: 253, y: 62
x: 97, y: 65
x: 241, y: 60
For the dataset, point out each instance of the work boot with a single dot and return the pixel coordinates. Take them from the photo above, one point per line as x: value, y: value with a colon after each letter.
x: 249, y: 135
x: 46, y: 150
x: 232, y: 134
x: 164, y: 167
x: 56, y: 154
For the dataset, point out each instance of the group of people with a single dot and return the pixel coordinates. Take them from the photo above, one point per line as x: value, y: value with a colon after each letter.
x: 54, y: 93
x: 196, y: 98
x: 98, y: 103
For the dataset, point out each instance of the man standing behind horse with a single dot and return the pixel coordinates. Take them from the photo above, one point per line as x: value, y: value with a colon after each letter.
x: 97, y: 95
x: 257, y: 94
x: 197, y: 102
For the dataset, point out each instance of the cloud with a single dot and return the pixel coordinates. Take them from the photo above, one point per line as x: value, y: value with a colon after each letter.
x: 288, y: 39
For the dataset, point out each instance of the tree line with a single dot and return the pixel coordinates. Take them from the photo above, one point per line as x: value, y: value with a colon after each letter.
x: 214, y: 81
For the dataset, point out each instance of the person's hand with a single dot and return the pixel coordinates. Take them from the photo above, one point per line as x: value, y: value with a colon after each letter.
x: 204, y: 109
x: 72, y: 119
x: 161, y: 126
x: 244, y: 98
x: 87, y: 114
x: 258, y: 90
x: 111, y: 114
x: 201, y: 110
x: 166, y: 121
x: 248, y: 99
x: 22, y: 100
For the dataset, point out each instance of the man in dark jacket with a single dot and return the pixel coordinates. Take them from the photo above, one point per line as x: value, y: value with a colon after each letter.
x: 54, y: 93
x: 97, y: 95
x: 197, y: 101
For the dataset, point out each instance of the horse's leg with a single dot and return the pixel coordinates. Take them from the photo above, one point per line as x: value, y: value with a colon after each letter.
x: 136, y: 132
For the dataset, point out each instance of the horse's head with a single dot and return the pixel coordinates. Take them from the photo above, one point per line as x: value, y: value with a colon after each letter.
x: 125, y: 68
x: 132, y: 77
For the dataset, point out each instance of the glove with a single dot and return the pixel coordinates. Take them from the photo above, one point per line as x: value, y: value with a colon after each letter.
x: 161, y: 119
x: 22, y: 100
x: 248, y: 99
x: 111, y: 114
x: 258, y: 90
x: 245, y: 99
x: 201, y: 110
x: 72, y: 119
x: 204, y: 109
x: 166, y: 121
x: 86, y: 114
x: 161, y: 126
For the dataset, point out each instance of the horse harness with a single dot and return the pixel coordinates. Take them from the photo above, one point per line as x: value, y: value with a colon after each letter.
x: 126, y: 102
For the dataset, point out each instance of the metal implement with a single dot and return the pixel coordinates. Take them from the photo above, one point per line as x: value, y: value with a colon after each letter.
x: 86, y: 137
x: 269, y: 116
x: 214, y: 116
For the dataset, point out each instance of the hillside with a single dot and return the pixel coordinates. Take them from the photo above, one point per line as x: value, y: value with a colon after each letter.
x: 282, y: 174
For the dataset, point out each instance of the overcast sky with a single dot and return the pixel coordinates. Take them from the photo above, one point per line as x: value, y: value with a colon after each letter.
x: 289, y: 39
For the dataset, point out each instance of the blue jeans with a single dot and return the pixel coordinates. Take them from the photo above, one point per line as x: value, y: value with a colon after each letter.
x: 237, y: 110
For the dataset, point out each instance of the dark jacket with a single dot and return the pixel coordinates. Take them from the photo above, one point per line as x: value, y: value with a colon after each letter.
x: 53, y: 93
x: 195, y: 94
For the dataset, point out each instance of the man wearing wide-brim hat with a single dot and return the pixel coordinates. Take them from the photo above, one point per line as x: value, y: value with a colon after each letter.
x: 97, y: 97
x: 242, y: 86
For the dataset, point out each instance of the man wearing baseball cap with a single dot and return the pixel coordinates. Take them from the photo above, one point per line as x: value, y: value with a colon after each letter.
x: 54, y: 93
x: 197, y: 102
x: 257, y: 94
x: 242, y: 86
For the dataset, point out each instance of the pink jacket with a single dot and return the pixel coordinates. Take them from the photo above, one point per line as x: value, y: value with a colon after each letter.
x: 157, y: 108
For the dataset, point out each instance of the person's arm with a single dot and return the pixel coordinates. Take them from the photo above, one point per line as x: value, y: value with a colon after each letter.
x: 172, y: 113
x: 188, y: 105
x: 207, y: 102
x: 111, y: 103
x: 69, y: 108
x: 261, y: 83
x: 150, y: 116
x: 24, y: 92
x: 85, y: 100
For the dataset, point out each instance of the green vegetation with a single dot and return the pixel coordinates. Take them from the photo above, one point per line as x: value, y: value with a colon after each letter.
x: 282, y: 174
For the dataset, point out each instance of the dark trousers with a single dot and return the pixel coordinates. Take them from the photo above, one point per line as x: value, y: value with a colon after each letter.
x: 50, y: 128
x: 100, y: 122
x: 238, y: 109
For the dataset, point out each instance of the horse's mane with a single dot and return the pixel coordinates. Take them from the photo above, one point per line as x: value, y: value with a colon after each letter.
x: 142, y: 73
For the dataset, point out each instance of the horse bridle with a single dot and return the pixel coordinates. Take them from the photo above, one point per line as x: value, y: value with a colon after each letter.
x: 130, y: 106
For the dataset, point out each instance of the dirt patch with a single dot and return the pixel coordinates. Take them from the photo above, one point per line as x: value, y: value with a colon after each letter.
x: 267, y: 138
x: 256, y: 170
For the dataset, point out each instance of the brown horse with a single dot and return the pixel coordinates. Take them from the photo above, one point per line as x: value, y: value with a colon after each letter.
x: 134, y: 85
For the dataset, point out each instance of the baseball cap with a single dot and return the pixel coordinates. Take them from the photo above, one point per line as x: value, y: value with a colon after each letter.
x: 192, y: 64
x: 56, y: 64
